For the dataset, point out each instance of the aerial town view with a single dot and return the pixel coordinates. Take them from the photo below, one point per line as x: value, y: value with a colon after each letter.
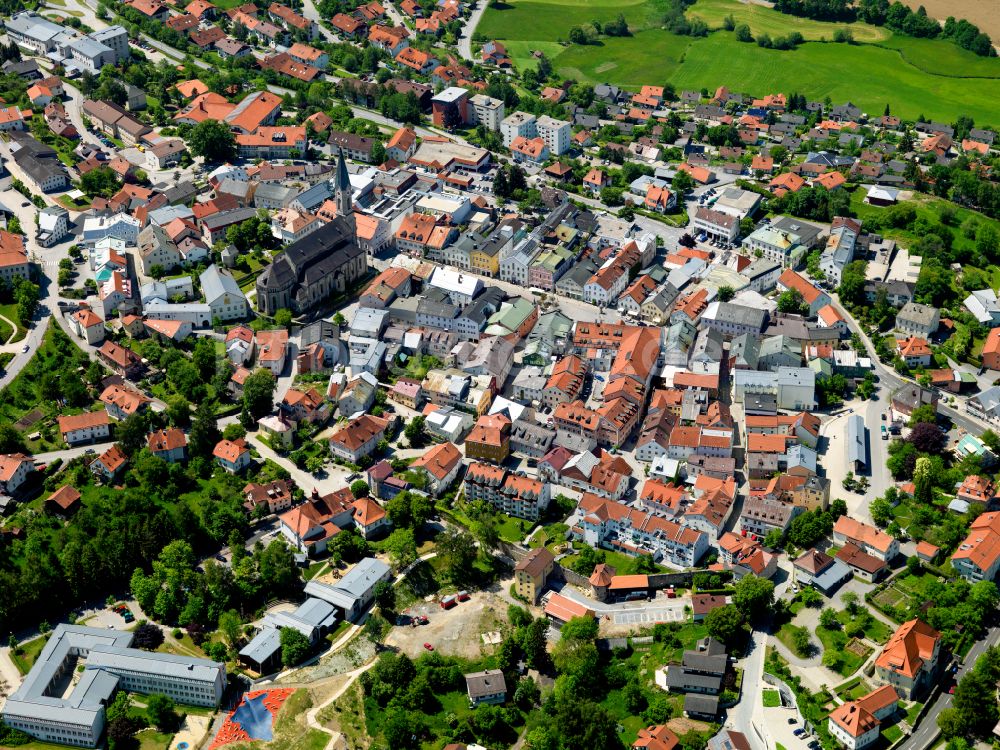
x: 500, y: 374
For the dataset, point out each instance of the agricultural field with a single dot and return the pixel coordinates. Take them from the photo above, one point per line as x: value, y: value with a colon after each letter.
x: 982, y: 14
x: 880, y: 69
x: 764, y: 20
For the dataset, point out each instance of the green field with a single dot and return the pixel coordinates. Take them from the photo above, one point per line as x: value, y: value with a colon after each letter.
x: 886, y: 69
x: 763, y: 20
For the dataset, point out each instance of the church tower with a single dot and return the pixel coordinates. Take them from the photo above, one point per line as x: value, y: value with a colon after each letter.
x: 345, y: 194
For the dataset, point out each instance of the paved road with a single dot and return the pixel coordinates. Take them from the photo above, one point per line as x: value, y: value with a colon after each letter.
x: 746, y: 716
x: 309, y: 11
x: 927, y: 730
x: 465, y: 39
x: 892, y: 380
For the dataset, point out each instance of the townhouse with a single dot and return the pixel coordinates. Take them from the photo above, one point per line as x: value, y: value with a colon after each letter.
x: 508, y: 492
x: 602, y: 522
x: 865, y: 537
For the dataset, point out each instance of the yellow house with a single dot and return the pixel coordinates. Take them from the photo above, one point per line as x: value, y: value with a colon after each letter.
x: 531, y: 572
x: 485, y: 263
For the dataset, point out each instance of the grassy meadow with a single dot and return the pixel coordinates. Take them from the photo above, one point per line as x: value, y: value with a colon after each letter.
x: 879, y: 68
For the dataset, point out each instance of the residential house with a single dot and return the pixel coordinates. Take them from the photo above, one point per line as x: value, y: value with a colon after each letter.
x: 232, y: 455
x: 169, y: 444
x: 909, y: 660
x: 88, y: 427
x: 531, y: 573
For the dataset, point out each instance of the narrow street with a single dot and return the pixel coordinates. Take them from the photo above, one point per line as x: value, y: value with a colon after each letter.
x: 465, y: 39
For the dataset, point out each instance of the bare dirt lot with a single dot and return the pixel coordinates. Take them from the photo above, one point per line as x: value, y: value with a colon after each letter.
x: 980, y: 12
x: 456, y: 631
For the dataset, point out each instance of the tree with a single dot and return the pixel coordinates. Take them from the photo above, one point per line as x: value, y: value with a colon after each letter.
x: 231, y: 627
x: 743, y: 33
x: 258, y: 393
x: 753, y: 596
x: 101, y: 182
x: 458, y: 551
x: 161, y: 713
x: 923, y: 480
x: 881, y: 511
x: 148, y: 636
x: 527, y: 694
x: 928, y: 438
x: 178, y: 411
x: 791, y: 302
x: 205, y: 433
x: 213, y: 140
x: 131, y: 432
x: 726, y: 624
x: 401, y: 547
x: 385, y: 596
x: 294, y: 647
x: 851, y: 602
x: 682, y: 183
x: 810, y: 597
x: 283, y: 318
x: 121, y: 726
x: 416, y: 432
x: 828, y: 619
x: 774, y: 538
x: 360, y: 488
x: 801, y: 643
x: 725, y: 294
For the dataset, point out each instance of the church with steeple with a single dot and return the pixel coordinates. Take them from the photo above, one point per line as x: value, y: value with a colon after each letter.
x: 320, y: 264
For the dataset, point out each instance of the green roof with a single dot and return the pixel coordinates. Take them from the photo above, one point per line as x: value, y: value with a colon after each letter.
x: 513, y: 315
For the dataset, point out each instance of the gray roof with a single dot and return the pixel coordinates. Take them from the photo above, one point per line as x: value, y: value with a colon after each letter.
x: 108, y: 651
x: 363, y: 577
x: 488, y: 682
x: 263, y: 646
x: 914, y: 312
x: 217, y: 282
x: 856, y: 449
x: 832, y: 575
x: 729, y: 312
x: 701, y: 704
x: 681, y: 679
x: 151, y: 662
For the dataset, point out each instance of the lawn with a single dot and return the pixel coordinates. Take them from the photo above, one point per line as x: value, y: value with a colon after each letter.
x: 942, y: 59
x: 513, y: 529
x: 869, y: 76
x: 28, y: 653
x: 150, y: 739
x: 623, y: 564
x: 917, y: 585
x: 615, y: 59
x: 764, y: 20
x: 10, y: 312
x: 850, y: 658
x: 892, y: 733
x: 772, y: 698
x: 929, y: 209
x: 881, y: 69
x: 6, y: 331
x: 550, y: 21
x: 913, y: 711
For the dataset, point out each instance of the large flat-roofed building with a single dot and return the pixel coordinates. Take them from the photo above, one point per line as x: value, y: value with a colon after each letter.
x: 188, y: 680
x: 44, y: 709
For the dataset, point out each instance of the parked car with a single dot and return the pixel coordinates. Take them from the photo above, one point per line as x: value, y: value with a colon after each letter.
x: 428, y: 646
